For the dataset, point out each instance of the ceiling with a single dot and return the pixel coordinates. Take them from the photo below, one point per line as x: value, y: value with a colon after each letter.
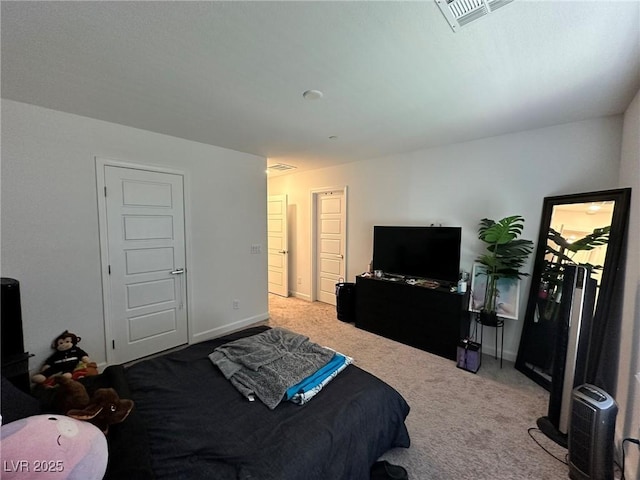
x: 394, y: 75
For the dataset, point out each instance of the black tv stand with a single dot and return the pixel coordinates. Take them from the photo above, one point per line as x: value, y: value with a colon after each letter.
x: 392, y: 275
x: 426, y: 315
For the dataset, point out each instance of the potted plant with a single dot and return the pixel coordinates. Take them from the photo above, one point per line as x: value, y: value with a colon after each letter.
x: 506, y: 254
x: 560, y: 252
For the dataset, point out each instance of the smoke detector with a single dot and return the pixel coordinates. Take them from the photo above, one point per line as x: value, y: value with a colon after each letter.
x: 312, y: 95
x: 462, y: 12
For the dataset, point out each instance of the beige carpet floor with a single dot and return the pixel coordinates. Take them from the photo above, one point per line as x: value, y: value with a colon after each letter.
x: 462, y: 425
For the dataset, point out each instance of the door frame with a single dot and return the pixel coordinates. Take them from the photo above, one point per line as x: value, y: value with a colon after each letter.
x: 315, y: 194
x: 100, y: 164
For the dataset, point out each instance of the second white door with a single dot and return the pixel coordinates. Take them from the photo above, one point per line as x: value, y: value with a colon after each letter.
x: 278, y: 254
x: 330, y: 244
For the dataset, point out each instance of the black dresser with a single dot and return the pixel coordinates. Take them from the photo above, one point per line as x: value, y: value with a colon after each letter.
x: 431, y: 319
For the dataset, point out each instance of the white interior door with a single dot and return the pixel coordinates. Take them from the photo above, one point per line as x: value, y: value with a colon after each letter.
x: 330, y: 244
x: 278, y: 256
x: 146, y: 255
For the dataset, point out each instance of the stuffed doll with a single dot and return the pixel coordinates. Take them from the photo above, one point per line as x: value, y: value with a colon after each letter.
x: 52, y: 447
x: 84, y: 370
x: 102, y: 409
x: 69, y: 395
x: 105, y: 408
x: 66, y: 358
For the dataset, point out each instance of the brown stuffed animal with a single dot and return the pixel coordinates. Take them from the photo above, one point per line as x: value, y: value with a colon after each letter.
x: 63, y: 361
x: 105, y: 408
x: 69, y: 395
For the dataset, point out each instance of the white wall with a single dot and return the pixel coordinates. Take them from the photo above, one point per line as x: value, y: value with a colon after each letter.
x: 457, y: 185
x: 628, y: 391
x: 50, y: 237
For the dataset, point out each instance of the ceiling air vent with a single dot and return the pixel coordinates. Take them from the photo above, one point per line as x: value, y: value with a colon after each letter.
x: 461, y: 12
x: 280, y: 167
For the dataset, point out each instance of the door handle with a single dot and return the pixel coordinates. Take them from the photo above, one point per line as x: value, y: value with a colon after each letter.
x: 179, y: 271
x: 282, y: 251
x: 340, y: 256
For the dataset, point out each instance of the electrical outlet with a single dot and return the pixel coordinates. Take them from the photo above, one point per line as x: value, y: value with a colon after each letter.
x: 236, y: 304
x: 299, y: 280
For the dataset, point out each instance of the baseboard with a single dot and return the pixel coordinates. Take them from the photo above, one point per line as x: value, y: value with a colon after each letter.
x: 229, y: 328
x: 301, y: 296
x: 506, y: 355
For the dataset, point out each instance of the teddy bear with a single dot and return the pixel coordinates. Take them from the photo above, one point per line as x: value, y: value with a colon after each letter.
x: 65, y: 360
x: 103, y: 408
x: 69, y: 395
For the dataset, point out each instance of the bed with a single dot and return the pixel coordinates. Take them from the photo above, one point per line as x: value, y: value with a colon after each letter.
x: 189, y: 422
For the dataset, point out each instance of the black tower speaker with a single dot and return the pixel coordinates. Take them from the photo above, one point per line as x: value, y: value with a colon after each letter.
x: 15, y: 361
x: 591, y: 434
x: 11, y: 319
x: 571, y: 351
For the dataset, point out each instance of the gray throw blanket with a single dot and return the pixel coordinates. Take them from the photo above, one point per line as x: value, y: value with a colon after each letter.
x: 267, y: 364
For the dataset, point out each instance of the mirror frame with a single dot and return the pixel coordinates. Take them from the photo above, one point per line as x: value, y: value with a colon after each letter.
x: 612, y: 265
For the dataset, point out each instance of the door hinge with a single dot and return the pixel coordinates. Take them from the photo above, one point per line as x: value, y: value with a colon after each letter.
x: 109, y: 268
x: 113, y: 344
x: 105, y: 191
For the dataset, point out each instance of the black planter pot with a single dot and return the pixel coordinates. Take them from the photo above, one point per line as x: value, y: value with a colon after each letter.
x: 490, y: 319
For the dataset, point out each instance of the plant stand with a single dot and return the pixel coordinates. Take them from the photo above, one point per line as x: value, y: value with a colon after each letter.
x: 498, y: 325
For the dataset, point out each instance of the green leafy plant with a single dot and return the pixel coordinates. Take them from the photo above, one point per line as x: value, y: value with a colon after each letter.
x: 559, y: 252
x: 505, y: 256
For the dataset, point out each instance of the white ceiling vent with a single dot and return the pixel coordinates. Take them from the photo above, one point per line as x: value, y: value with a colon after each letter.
x: 461, y: 12
x: 280, y: 167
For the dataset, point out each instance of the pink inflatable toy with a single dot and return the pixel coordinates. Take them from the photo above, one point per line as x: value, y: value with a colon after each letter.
x: 52, y: 447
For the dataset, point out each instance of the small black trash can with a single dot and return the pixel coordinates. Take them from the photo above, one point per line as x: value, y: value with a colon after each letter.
x: 346, y: 301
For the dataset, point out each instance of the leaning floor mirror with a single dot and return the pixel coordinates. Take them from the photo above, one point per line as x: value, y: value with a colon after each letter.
x: 580, y: 229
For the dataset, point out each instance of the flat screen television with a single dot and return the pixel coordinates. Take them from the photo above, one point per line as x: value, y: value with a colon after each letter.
x: 427, y: 252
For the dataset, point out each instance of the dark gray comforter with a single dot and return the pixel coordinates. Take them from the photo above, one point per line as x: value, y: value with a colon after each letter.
x: 200, y: 427
x: 267, y: 364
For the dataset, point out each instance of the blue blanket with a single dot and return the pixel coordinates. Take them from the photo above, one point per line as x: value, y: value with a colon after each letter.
x: 305, y: 390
